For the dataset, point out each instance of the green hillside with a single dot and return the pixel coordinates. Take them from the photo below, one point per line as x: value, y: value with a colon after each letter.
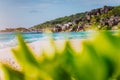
x: 61, y: 20
x: 105, y: 18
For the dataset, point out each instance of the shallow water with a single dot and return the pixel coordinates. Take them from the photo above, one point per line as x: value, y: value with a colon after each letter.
x: 9, y: 39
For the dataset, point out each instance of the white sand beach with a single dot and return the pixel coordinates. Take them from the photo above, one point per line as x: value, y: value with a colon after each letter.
x: 37, y: 47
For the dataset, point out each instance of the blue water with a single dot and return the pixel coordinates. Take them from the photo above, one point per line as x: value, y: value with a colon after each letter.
x: 9, y: 39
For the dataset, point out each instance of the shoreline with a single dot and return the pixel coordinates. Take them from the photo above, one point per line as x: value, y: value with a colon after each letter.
x: 36, y: 47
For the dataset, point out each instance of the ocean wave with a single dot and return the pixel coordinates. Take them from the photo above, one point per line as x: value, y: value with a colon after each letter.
x: 10, y: 43
x: 13, y: 42
x: 30, y: 40
x: 9, y: 40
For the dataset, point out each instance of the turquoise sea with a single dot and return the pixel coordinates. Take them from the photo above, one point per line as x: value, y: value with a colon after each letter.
x: 9, y: 39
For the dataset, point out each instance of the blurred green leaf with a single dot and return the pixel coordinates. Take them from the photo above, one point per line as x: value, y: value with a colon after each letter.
x: 98, y: 60
x: 11, y: 74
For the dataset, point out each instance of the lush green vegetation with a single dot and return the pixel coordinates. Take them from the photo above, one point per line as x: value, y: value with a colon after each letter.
x: 116, y: 10
x: 82, y: 19
x: 61, y: 20
x: 99, y: 59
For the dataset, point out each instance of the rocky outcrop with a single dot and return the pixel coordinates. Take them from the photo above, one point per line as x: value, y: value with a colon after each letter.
x: 57, y: 28
x: 98, y: 12
x: 99, y: 18
x: 80, y: 27
x: 111, y: 21
x: 64, y: 27
x: 96, y: 18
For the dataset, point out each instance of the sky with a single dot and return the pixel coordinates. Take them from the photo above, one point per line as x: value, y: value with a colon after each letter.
x: 27, y: 13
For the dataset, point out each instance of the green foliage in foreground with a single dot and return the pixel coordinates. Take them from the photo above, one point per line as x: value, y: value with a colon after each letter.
x: 99, y: 59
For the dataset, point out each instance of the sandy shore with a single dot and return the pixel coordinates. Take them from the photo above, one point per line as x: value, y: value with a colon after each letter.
x: 37, y: 47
